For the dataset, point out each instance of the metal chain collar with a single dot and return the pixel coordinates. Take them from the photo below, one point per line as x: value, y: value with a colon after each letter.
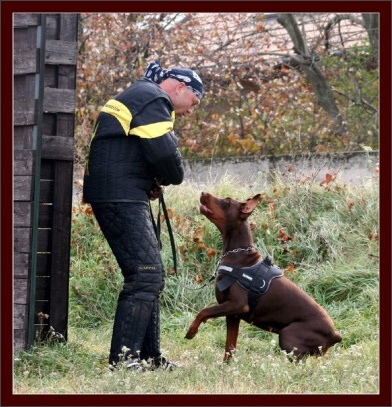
x: 250, y: 248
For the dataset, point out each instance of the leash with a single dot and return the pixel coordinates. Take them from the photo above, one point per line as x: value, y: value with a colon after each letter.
x: 157, y: 227
x: 212, y: 278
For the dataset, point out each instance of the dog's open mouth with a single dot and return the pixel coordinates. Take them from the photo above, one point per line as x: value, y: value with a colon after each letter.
x: 204, y: 210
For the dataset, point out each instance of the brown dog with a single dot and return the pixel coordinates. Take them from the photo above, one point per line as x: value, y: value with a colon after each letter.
x: 303, y: 326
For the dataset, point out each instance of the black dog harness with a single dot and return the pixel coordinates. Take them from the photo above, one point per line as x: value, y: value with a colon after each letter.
x: 255, y: 279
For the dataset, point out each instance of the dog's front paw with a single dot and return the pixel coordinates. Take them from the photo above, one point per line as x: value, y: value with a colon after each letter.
x: 191, y: 333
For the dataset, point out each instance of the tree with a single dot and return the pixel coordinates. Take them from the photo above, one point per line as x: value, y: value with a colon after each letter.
x: 308, y: 61
x: 371, y: 24
x: 260, y: 96
x: 369, y: 21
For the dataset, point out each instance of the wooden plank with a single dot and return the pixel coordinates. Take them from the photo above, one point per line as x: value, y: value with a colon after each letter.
x: 24, y: 87
x: 23, y: 138
x: 20, y: 339
x: 47, y: 170
x: 23, y: 162
x: 51, y: 76
x: 26, y: 61
x: 20, y: 314
x: 25, y: 38
x: 42, y: 292
x: 23, y: 188
x: 49, y: 124
x: 69, y: 27
x: 25, y: 112
x: 44, y: 244
x: 22, y: 239
x: 61, y: 52
x: 59, y: 100
x: 45, y: 215
x: 67, y: 76
x: 21, y: 286
x: 61, y: 246
x: 46, y: 191
x: 57, y: 144
x: 21, y: 265
x: 43, y: 264
x: 52, y: 26
x: 65, y: 125
x: 26, y: 20
x: 62, y: 203
x: 23, y: 214
x: 58, y: 148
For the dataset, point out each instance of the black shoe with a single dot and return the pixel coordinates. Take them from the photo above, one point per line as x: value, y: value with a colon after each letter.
x: 134, y: 364
x: 160, y: 362
x: 130, y: 364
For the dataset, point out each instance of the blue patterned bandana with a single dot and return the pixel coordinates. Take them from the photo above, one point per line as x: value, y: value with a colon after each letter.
x: 191, y: 79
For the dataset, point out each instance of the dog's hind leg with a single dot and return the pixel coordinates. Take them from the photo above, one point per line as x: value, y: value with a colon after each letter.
x: 232, y: 328
x: 302, y: 341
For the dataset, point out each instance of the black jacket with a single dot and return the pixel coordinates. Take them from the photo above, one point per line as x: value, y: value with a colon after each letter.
x: 132, y: 146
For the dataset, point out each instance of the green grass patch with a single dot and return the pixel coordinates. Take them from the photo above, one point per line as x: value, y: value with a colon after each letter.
x: 325, y: 237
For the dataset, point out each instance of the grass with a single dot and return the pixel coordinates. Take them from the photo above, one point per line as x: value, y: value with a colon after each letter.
x: 325, y: 237
x: 258, y: 367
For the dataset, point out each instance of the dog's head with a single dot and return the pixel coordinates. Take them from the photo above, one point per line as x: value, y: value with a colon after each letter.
x: 226, y: 211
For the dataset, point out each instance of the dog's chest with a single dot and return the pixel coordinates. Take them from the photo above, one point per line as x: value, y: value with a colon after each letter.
x: 255, y: 279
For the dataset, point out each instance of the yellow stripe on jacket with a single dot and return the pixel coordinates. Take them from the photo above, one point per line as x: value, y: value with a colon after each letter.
x: 152, y: 130
x: 120, y: 112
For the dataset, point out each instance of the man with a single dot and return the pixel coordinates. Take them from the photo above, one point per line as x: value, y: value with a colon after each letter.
x: 133, y: 154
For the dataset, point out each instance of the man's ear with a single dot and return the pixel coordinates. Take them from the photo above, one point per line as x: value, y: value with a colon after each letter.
x: 248, y: 206
x: 180, y: 86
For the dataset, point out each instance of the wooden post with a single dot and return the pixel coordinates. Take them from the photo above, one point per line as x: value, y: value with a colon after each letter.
x: 45, y: 55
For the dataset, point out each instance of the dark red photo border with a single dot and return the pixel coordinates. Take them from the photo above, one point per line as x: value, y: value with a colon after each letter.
x: 7, y: 397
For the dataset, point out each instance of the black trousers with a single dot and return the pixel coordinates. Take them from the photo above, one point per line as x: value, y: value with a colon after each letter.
x: 129, y: 230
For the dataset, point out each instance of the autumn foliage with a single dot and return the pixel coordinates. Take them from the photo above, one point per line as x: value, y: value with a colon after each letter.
x: 258, y: 99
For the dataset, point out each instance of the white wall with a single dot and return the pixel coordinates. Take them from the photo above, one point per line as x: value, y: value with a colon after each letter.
x: 351, y: 168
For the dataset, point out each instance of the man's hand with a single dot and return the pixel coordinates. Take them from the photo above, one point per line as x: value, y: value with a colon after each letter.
x: 156, y: 191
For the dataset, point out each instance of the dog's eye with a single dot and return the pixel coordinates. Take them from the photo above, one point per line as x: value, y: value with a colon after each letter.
x: 226, y: 202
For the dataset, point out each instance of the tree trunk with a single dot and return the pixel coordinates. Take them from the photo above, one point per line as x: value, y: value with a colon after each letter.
x: 322, y: 90
x: 370, y: 22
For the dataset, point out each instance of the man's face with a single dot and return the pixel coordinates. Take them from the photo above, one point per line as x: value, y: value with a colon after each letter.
x: 184, y: 100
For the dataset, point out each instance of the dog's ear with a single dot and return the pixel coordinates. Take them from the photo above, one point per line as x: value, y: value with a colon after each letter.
x: 248, y: 206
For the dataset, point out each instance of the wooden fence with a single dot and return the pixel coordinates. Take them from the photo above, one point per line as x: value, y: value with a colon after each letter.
x: 45, y: 56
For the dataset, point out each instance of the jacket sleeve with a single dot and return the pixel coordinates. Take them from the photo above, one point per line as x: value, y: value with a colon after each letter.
x: 164, y: 157
x: 153, y: 124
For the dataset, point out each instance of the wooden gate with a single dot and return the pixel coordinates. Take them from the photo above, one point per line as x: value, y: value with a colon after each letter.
x: 45, y: 56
